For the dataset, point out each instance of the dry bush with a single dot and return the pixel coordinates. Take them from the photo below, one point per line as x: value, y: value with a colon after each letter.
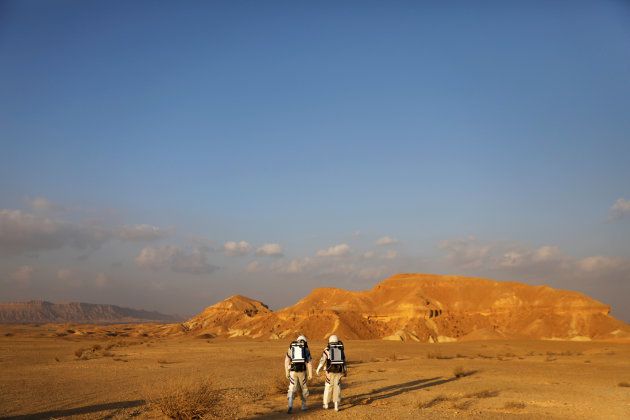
x: 460, y: 372
x: 183, y: 398
x: 433, y: 401
x: 624, y: 384
x: 439, y: 356
x: 483, y: 394
x: 463, y: 405
x: 514, y: 405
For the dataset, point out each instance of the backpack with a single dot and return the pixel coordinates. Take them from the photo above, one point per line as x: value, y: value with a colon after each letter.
x: 298, y: 352
x: 336, y: 355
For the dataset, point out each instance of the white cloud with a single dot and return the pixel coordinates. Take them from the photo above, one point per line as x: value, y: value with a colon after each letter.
x: 620, y: 209
x: 235, y: 249
x: 101, y: 280
x: 22, y: 232
x: 270, y: 250
x: 42, y: 204
x: 368, y: 255
x: 340, y: 250
x: 294, y: 266
x: 70, y: 277
x: 466, y: 252
x: 386, y: 240
x: 254, y: 267
x: 23, y: 275
x: 141, y: 233
x: 391, y: 255
x: 601, y: 263
x: 175, y: 259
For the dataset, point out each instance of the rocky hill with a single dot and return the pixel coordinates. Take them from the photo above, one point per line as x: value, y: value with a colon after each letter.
x: 38, y: 311
x: 420, y: 307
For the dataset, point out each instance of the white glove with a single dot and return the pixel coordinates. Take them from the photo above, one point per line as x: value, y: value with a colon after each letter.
x: 317, y: 371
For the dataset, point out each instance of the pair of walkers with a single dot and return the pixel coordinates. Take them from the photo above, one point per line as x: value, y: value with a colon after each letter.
x: 299, y: 370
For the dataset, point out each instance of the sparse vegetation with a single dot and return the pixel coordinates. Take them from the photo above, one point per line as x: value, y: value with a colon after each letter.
x: 483, y: 394
x: 463, y: 405
x: 439, y: 356
x: 460, y: 372
x: 514, y: 405
x: 433, y: 401
x: 624, y: 384
x: 184, y: 398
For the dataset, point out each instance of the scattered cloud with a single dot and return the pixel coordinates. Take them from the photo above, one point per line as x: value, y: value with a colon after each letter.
x: 340, y: 250
x: 270, y: 250
x: 386, y: 240
x: 236, y: 249
x: 141, y: 233
x: 391, y: 255
x: 254, y: 267
x: 466, y: 252
x: 368, y: 255
x: 101, y: 280
x: 175, y: 259
x: 70, y: 277
x: 42, y: 204
x: 22, y: 275
x: 22, y: 232
x: 620, y: 209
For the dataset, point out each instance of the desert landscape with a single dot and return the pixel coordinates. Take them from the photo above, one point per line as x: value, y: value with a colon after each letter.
x: 573, y: 364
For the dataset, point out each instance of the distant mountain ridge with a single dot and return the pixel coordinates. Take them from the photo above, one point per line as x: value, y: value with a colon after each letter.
x: 41, y: 311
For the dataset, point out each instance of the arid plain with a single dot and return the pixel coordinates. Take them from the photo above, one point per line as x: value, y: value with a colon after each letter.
x: 50, y: 376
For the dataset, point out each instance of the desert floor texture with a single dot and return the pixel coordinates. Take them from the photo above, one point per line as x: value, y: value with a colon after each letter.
x: 113, y: 377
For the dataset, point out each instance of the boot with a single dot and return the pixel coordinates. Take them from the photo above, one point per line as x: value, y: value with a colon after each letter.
x: 304, y: 408
x: 290, y: 410
x: 325, y: 406
x: 336, y: 406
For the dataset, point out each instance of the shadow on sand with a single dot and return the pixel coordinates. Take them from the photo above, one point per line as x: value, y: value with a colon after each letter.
x: 374, y: 395
x: 79, y: 410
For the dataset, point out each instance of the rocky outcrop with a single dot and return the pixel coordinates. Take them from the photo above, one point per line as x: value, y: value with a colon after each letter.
x: 421, y: 307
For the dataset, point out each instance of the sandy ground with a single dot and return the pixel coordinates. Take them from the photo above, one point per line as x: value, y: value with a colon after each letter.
x: 42, y: 377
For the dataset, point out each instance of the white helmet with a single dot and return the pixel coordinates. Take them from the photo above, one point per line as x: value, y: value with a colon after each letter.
x: 333, y: 339
x: 301, y: 338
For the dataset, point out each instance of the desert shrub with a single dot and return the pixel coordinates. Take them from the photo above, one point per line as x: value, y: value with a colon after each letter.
x: 183, y: 398
x: 483, y: 394
x: 624, y: 384
x: 514, y: 405
x: 433, y: 401
x: 460, y: 372
x: 463, y: 405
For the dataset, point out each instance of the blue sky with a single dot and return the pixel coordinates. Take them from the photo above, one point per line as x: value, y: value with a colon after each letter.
x: 467, y: 135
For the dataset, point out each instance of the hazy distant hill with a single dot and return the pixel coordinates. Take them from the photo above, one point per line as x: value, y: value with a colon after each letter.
x: 420, y: 307
x: 39, y: 311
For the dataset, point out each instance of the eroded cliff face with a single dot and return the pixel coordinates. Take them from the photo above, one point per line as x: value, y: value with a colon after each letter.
x: 420, y: 307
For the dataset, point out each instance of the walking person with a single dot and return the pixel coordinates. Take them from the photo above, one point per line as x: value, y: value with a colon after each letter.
x: 298, y: 369
x: 334, y: 363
